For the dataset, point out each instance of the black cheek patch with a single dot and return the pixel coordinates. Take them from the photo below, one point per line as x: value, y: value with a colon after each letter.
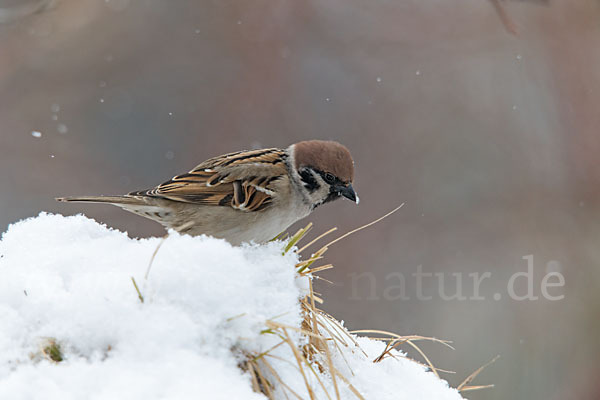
x: 310, y: 183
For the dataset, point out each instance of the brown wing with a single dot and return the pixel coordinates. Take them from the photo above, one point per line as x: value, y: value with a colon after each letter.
x: 240, y: 180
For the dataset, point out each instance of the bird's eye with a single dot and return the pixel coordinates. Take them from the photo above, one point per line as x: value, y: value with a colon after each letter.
x: 329, y: 178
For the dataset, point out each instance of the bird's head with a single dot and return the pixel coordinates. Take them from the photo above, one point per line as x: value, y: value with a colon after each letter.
x: 325, y: 171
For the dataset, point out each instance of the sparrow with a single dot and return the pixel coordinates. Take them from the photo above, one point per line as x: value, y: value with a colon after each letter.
x: 247, y: 195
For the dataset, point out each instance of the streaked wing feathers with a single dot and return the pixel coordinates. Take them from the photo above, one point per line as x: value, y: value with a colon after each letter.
x: 240, y: 180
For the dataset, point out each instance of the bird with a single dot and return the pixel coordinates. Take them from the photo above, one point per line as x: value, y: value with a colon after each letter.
x: 245, y: 196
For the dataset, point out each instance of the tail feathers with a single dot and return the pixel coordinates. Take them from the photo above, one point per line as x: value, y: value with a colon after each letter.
x: 102, y: 199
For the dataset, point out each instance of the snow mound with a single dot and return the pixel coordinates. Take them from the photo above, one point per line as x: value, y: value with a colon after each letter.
x: 67, y: 280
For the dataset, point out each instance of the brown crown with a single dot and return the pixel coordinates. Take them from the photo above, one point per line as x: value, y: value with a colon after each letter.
x: 326, y: 156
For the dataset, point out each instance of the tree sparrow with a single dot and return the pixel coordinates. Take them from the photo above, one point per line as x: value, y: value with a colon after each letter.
x: 248, y: 195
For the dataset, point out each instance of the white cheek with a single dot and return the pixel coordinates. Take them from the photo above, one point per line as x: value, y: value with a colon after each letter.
x: 322, y: 192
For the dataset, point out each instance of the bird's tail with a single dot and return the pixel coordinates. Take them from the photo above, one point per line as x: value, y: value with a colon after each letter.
x: 102, y: 199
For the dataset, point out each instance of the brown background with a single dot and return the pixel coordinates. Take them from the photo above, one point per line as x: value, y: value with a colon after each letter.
x: 489, y: 136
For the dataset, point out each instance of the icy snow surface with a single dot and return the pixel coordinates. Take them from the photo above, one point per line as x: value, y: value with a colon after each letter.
x: 206, y: 303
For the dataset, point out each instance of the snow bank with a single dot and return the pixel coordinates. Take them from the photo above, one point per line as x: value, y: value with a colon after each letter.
x: 205, y: 309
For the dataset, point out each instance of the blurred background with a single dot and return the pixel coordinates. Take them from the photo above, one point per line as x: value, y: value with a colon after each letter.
x: 481, y: 115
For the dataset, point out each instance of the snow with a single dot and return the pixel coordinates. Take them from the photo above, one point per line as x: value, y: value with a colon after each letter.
x: 62, y: 129
x: 206, y: 306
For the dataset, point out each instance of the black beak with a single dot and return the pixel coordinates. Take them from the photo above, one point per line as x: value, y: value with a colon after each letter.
x: 349, y: 193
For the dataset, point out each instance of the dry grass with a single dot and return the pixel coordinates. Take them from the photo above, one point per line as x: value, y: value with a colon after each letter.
x: 324, y: 334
